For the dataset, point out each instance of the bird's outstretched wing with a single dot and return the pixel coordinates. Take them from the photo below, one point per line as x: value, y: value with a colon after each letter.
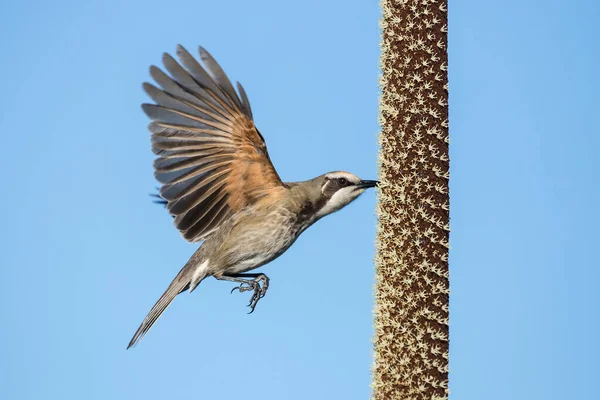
x: 212, y: 161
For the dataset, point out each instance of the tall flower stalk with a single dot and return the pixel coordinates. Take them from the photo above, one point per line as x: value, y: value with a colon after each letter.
x: 412, y: 288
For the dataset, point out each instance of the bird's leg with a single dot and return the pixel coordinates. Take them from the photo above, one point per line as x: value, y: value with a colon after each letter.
x: 247, y: 284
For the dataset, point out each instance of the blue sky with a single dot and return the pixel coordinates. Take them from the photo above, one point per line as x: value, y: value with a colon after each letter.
x: 85, y: 254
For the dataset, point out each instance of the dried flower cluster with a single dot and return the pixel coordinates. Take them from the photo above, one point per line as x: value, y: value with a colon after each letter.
x: 411, y: 293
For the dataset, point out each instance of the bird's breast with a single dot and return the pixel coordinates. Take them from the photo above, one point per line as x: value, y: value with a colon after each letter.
x: 260, y: 237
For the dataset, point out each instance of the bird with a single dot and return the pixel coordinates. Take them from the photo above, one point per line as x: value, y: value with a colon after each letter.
x: 218, y: 183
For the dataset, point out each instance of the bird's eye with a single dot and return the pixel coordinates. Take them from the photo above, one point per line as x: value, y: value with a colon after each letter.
x: 342, y: 181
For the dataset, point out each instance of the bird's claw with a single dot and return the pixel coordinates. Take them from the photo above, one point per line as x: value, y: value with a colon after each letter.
x: 259, y: 290
x: 265, y: 284
x: 243, y: 288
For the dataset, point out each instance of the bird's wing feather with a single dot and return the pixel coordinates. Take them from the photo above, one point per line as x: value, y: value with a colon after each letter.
x: 212, y: 161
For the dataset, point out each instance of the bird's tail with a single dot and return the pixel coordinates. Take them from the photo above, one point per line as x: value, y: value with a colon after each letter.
x: 180, y: 284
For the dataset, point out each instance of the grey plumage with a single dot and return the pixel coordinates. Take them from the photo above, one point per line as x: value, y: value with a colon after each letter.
x: 219, y: 184
x: 178, y: 285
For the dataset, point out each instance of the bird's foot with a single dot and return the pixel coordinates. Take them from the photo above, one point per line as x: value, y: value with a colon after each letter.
x: 265, y: 284
x: 255, y: 285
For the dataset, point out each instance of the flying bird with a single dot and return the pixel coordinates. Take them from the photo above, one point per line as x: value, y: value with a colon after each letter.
x: 218, y: 182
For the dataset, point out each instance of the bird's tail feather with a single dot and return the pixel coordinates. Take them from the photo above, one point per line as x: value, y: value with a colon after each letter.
x: 180, y: 284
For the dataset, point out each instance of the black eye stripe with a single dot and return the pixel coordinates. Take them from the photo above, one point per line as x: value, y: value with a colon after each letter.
x: 340, y: 181
x: 343, y: 182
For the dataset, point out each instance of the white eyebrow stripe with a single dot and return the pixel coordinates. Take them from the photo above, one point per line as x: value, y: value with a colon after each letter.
x: 341, y: 174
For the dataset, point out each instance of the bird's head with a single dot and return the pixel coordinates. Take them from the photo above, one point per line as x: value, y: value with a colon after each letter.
x: 339, y: 188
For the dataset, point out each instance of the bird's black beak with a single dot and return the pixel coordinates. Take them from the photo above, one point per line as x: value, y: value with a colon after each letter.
x: 367, y: 184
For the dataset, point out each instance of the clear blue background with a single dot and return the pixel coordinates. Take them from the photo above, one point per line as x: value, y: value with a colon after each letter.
x: 85, y: 253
